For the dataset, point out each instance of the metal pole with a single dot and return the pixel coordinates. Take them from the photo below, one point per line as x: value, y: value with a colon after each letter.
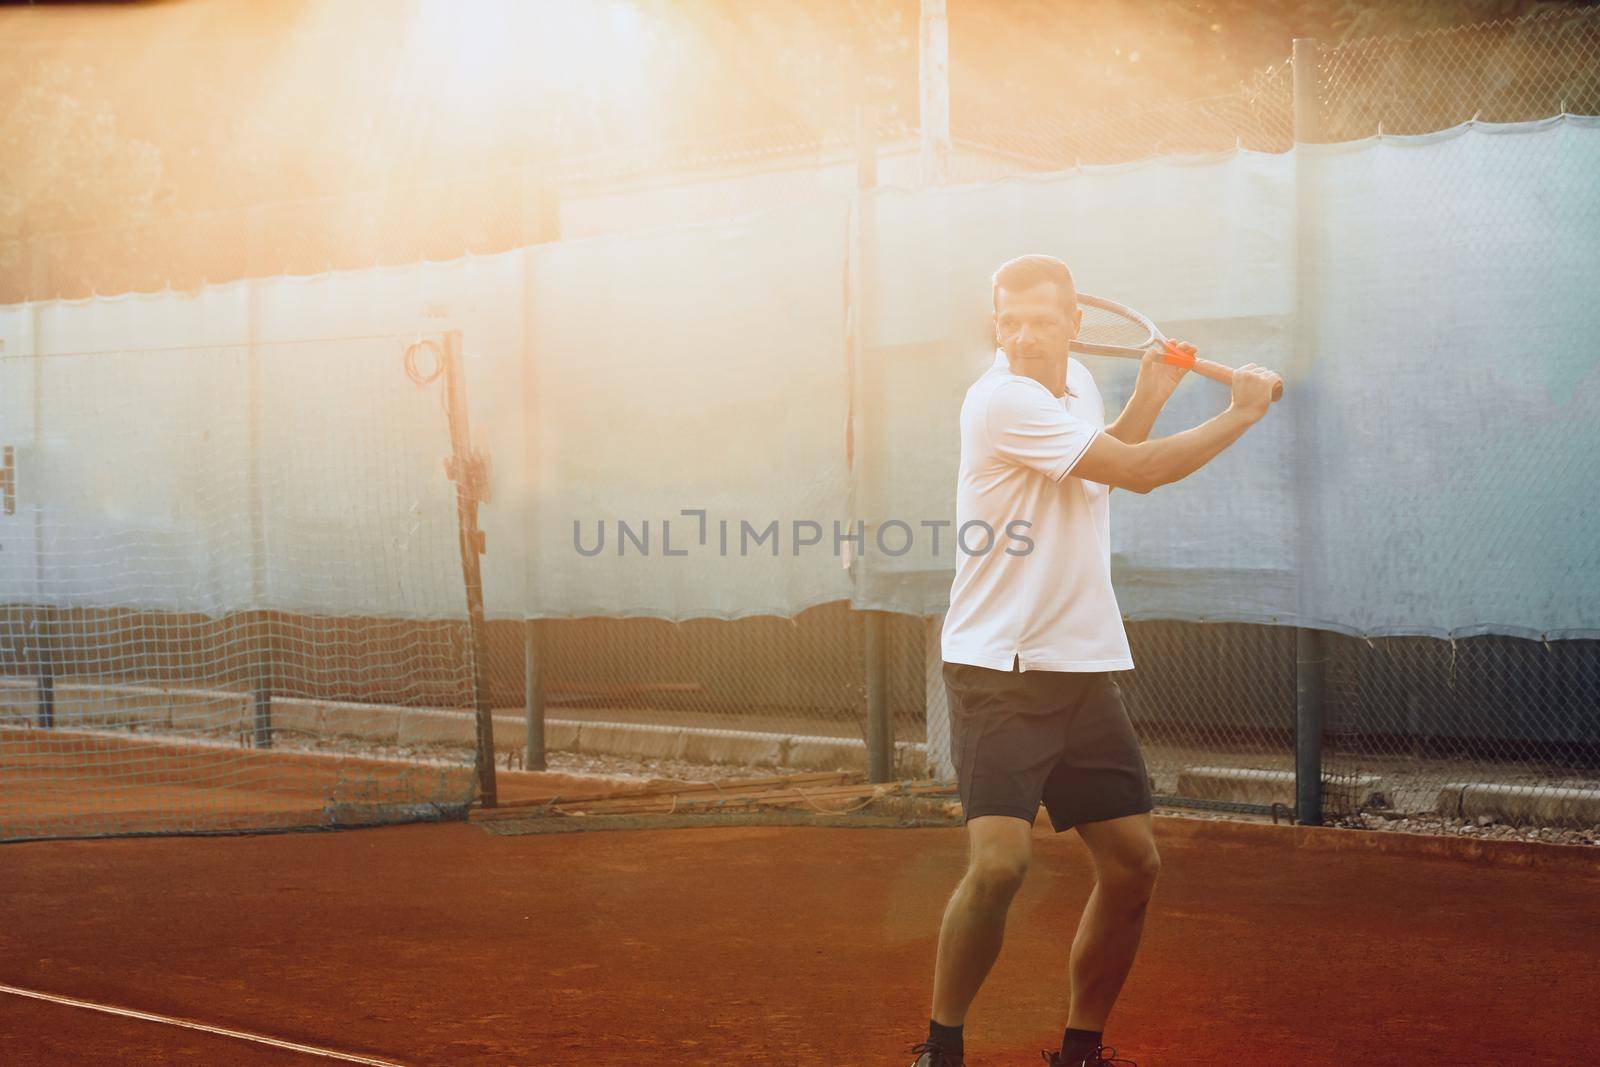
x: 941, y: 764
x: 541, y: 217
x: 258, y: 625
x: 44, y: 630
x: 1310, y: 645
x: 880, y: 740
x: 934, y: 81
x: 467, y: 471
x: 866, y: 147
x: 533, y: 697
x: 45, y: 635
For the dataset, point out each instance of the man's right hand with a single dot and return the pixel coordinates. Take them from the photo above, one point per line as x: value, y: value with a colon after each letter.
x: 1252, y: 390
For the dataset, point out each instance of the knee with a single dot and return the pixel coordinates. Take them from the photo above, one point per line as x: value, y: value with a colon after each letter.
x: 996, y: 879
x: 1134, y: 878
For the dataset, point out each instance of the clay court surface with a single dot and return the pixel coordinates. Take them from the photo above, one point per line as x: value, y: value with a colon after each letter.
x: 443, y: 944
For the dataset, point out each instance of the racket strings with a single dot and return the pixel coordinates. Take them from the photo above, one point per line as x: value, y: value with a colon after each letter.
x: 1103, y: 327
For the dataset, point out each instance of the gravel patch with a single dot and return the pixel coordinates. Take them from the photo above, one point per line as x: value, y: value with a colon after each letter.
x: 621, y: 768
x: 1484, y: 827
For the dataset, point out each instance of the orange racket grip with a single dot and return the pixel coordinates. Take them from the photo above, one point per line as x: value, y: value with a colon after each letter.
x: 1206, y: 368
x: 1177, y: 357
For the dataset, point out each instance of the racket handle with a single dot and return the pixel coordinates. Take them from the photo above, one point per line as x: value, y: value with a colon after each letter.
x: 1217, y: 372
x: 1208, y: 369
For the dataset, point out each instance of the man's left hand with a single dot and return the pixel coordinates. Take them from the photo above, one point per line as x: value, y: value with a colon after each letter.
x: 1159, y: 378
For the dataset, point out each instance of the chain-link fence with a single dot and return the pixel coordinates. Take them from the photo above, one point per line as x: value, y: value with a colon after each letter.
x: 1258, y: 117
x: 1411, y: 724
x: 803, y: 676
x: 1423, y: 720
x: 1508, y: 71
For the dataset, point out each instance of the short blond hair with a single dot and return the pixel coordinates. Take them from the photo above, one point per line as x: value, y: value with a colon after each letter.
x: 1025, y: 272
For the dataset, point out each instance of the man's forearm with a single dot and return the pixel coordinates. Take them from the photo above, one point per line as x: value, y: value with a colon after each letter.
x: 1174, y: 458
x: 1132, y: 427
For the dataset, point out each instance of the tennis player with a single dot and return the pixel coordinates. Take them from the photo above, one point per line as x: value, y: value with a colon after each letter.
x: 1032, y: 639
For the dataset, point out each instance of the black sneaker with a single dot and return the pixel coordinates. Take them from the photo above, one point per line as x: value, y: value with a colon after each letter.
x: 1104, y: 1054
x: 935, y: 1056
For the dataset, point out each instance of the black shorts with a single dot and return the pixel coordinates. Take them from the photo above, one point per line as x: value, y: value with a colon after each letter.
x: 1022, y: 737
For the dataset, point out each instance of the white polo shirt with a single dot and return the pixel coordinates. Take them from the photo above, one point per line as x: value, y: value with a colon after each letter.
x: 1050, y: 606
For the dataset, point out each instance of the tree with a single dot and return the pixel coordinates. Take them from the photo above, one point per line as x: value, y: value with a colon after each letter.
x: 80, y: 170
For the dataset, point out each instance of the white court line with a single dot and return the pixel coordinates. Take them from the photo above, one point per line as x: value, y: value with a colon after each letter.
x: 222, y: 1031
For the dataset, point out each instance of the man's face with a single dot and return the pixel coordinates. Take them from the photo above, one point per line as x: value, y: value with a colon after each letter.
x: 1031, y: 324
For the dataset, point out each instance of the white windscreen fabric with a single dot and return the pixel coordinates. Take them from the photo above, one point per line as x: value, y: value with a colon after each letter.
x: 1204, y: 246
x: 1455, y: 479
x: 690, y: 368
x: 693, y: 369
x: 126, y: 454
x: 250, y: 446
x: 1432, y: 470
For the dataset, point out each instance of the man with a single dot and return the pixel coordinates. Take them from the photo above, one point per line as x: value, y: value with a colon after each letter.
x: 1032, y: 636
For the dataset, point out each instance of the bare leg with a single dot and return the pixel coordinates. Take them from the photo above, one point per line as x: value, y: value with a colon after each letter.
x: 1126, y: 866
x: 975, y: 919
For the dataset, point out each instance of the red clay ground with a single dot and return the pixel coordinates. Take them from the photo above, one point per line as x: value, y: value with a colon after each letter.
x: 445, y: 945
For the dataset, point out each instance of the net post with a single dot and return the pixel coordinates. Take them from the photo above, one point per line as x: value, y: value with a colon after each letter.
x: 533, y: 696
x: 1310, y: 644
x: 879, y: 739
x: 467, y: 471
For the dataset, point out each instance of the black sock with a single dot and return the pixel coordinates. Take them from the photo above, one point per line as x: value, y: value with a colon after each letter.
x: 1078, y: 1045
x: 947, y: 1038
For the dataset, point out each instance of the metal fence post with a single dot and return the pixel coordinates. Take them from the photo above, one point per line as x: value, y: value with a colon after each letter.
x: 534, y: 756
x: 880, y: 739
x: 941, y: 763
x: 258, y: 623
x: 933, y: 68
x: 44, y: 629
x: 1310, y: 644
x: 540, y: 223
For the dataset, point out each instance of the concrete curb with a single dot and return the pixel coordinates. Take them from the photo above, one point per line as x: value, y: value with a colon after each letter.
x: 396, y: 725
x: 91, y: 704
x: 1245, y: 785
x: 190, y: 710
x: 1521, y: 804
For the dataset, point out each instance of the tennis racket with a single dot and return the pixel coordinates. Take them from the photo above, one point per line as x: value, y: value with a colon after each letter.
x: 1111, y: 329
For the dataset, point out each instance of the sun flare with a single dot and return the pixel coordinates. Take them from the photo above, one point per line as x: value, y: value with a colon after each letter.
x: 474, y: 56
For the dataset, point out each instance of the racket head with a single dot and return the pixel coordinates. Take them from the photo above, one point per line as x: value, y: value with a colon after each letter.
x: 1113, y: 329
